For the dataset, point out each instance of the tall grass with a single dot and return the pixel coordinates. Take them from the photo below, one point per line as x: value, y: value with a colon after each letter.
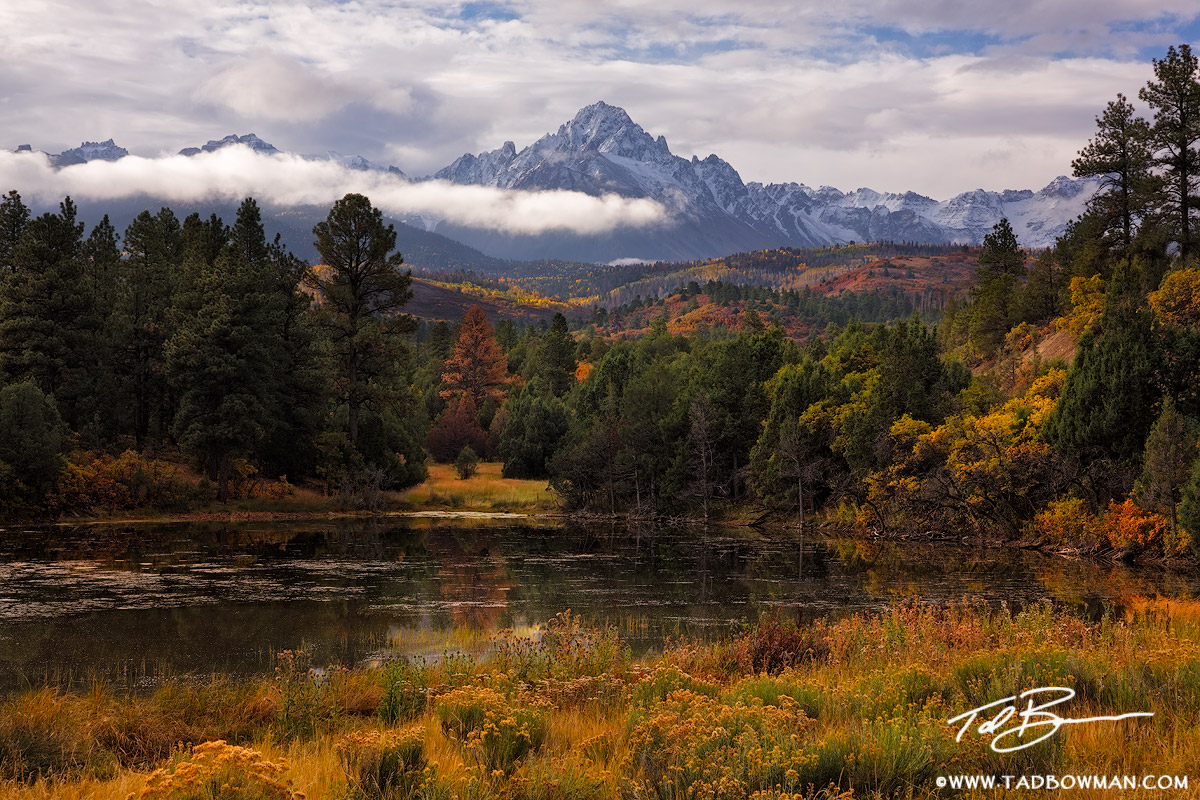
x: 486, y: 490
x: 782, y: 711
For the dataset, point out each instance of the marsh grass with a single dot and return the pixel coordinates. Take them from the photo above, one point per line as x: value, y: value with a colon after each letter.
x: 781, y: 711
x: 486, y: 490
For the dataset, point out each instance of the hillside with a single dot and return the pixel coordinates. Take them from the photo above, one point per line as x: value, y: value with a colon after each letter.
x: 439, y: 301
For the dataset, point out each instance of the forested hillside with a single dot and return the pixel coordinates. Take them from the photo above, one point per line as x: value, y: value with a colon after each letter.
x: 897, y: 388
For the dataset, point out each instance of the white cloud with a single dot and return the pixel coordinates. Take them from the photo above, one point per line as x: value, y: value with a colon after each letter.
x: 793, y: 90
x: 275, y: 88
x: 235, y: 172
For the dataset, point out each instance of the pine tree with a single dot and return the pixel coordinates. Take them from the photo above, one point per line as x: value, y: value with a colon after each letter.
x: 1001, y: 264
x: 1170, y: 453
x: 361, y: 291
x: 534, y: 428
x: 1120, y: 155
x: 556, y: 357
x: 32, y: 436
x: 141, y: 318
x: 1105, y: 410
x: 14, y: 216
x: 477, y: 369
x: 226, y: 357
x: 1175, y: 98
x: 47, y: 322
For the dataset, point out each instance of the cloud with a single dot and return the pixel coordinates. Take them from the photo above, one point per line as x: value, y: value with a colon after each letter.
x: 275, y: 88
x: 857, y: 92
x: 235, y: 172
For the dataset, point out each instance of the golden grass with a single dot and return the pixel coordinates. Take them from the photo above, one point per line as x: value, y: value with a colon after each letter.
x: 863, y: 702
x: 486, y: 490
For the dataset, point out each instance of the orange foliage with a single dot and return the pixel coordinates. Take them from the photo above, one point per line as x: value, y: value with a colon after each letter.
x: 99, y: 481
x: 582, y: 370
x: 1127, y: 526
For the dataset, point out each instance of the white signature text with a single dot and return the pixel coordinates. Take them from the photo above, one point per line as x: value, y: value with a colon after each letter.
x: 1011, y: 726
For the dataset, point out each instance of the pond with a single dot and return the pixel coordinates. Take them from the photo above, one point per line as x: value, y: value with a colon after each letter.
x: 133, y: 604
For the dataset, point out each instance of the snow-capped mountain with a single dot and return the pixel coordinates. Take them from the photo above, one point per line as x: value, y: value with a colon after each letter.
x: 107, y: 150
x: 250, y: 140
x: 266, y: 148
x: 357, y: 163
x: 714, y: 212
x: 711, y: 210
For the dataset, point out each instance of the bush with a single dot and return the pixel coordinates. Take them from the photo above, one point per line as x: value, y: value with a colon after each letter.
x: 774, y: 644
x: 219, y: 771
x: 1128, y: 527
x: 98, y: 481
x: 1068, y: 522
x: 466, y: 463
x: 567, y: 649
x: 497, y: 733
x: 405, y: 687
x: 383, y: 765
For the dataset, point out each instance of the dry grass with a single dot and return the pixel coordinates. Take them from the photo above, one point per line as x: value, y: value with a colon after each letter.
x: 486, y: 490
x: 862, y: 702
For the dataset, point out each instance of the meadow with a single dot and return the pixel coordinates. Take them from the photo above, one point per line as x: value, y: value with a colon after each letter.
x: 857, y: 707
x: 486, y: 490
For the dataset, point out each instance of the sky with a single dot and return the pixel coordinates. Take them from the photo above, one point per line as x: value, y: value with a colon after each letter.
x: 933, y: 96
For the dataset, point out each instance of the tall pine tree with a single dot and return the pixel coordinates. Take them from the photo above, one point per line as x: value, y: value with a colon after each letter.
x: 1174, y: 96
x: 361, y: 289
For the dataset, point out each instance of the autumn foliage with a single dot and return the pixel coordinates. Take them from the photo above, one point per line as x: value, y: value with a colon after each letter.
x: 477, y: 369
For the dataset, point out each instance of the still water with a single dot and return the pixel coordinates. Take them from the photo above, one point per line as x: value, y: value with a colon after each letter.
x: 133, y: 604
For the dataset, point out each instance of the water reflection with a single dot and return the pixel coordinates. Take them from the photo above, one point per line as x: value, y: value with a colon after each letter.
x: 141, y: 601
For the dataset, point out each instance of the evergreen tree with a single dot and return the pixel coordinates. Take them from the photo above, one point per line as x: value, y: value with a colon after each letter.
x: 556, y: 357
x: 141, y: 319
x: 1189, y: 507
x: 32, y: 437
x: 1001, y: 264
x: 1170, y: 452
x: 1105, y: 410
x: 784, y: 456
x: 47, y: 322
x: 1174, y: 96
x: 226, y: 357
x: 1120, y: 155
x: 14, y: 216
x: 361, y: 290
x: 536, y: 425
x: 477, y: 369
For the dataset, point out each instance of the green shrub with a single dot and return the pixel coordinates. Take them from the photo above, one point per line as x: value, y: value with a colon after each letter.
x: 383, y: 765
x: 496, y: 732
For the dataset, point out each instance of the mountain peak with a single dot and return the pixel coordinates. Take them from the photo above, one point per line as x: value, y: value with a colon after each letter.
x: 607, y: 129
x: 250, y: 140
x: 108, y: 150
x: 601, y: 111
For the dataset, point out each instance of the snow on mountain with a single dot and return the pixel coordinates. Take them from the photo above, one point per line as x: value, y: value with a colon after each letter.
x: 712, y: 210
x: 357, y: 163
x: 601, y: 150
x: 250, y: 140
x: 107, y: 150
